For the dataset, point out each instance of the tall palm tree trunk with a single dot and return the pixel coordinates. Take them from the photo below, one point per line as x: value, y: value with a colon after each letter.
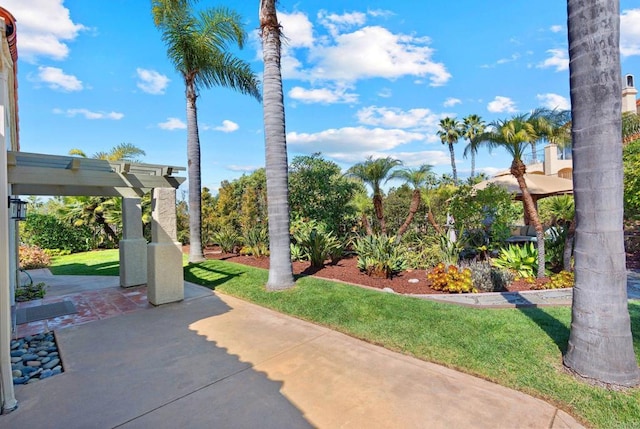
x: 600, y: 344
x: 473, y: 163
x: 280, y: 268
x: 452, y: 154
x: 568, y: 245
x: 193, y: 174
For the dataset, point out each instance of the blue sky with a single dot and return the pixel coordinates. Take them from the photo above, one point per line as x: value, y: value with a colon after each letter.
x: 360, y: 79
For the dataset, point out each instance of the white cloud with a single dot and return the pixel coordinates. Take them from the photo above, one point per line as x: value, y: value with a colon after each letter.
x: 510, y: 59
x: 554, y: 101
x: 243, y: 168
x: 630, y: 32
x: 56, y: 79
x: 502, y: 104
x: 322, y: 95
x: 372, y: 52
x: 297, y: 30
x: 385, y: 93
x: 556, y: 28
x: 558, y: 59
x: 336, y: 23
x: 227, y: 126
x: 88, y: 114
x: 352, y: 139
x: 451, y: 101
x: 409, y: 159
x: 44, y: 28
x: 151, y: 81
x: 172, y: 124
x: 396, y: 118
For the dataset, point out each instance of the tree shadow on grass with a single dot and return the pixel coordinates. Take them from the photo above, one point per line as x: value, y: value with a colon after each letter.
x: 554, y: 328
x: 208, y: 276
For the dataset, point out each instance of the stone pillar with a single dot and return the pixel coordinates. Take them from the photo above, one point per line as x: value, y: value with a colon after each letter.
x: 133, y: 246
x: 165, y: 279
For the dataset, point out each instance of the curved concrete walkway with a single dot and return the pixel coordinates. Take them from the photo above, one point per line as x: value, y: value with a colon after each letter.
x: 214, y: 361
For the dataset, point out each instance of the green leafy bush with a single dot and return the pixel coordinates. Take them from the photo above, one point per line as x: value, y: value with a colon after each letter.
x: 31, y: 292
x: 422, y: 251
x: 380, y: 255
x: 522, y: 260
x: 296, y: 253
x: 48, y: 232
x: 256, y: 242
x: 316, y: 242
x: 32, y: 257
x: 451, y: 279
x: 487, y: 278
x: 227, y: 238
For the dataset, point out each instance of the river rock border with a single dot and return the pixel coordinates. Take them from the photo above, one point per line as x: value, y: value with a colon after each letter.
x: 34, y: 358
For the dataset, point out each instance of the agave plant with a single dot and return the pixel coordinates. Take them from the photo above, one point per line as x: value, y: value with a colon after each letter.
x: 227, y: 238
x: 315, y: 241
x: 380, y: 255
x: 523, y: 260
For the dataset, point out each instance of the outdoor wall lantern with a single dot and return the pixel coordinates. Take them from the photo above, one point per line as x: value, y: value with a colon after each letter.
x: 18, y: 209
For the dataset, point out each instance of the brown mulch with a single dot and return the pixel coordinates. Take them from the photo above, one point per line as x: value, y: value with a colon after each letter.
x: 346, y: 271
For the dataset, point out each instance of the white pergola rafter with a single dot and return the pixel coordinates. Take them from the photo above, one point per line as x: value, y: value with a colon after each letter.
x: 40, y: 174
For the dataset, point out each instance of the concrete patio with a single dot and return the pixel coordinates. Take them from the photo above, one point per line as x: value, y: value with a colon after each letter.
x: 214, y: 361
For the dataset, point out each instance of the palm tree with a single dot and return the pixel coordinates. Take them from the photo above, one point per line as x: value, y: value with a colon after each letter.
x: 280, y: 268
x: 449, y: 133
x: 472, y: 127
x: 122, y: 152
x: 600, y: 343
x: 514, y: 135
x: 548, y: 124
x: 375, y: 172
x: 362, y: 205
x: 197, y: 46
x: 417, y: 178
x: 562, y: 211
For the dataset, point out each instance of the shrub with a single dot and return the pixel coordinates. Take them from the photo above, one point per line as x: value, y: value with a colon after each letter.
x: 487, y: 278
x: 296, y: 253
x: 227, y: 238
x: 451, y: 279
x: 256, y: 242
x: 32, y: 257
x: 422, y: 252
x: 522, y: 260
x: 561, y: 280
x: 380, y: 255
x: 47, y: 232
x: 30, y: 292
x: 316, y: 242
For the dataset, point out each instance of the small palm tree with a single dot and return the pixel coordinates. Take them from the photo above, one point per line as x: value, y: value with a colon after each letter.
x: 472, y: 127
x: 514, y: 135
x: 417, y: 178
x: 548, y: 124
x: 562, y: 211
x: 449, y: 133
x: 197, y: 45
x: 375, y: 172
x: 122, y: 152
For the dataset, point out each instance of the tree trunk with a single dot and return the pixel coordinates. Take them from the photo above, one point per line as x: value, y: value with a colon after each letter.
x: 280, y: 267
x: 366, y: 224
x: 193, y: 174
x: 568, y: 245
x: 473, y: 163
x: 432, y: 221
x: 413, y: 208
x: 518, y: 170
x: 600, y: 344
x: 377, y: 206
x: 534, y: 153
x: 453, y: 163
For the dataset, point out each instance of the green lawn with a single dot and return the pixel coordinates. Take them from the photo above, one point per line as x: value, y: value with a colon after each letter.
x: 518, y: 348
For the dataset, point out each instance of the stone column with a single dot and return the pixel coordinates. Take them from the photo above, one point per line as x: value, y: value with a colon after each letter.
x: 165, y: 279
x: 133, y: 246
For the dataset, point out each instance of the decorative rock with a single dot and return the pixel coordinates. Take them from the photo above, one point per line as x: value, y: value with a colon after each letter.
x: 29, y: 356
x: 45, y: 359
x: 42, y: 353
x: 17, y: 353
x: 46, y: 373
x: 15, y: 345
x: 20, y: 380
x: 33, y: 380
x: 34, y: 363
x: 56, y: 370
x: 16, y: 359
x: 388, y: 289
x: 16, y: 373
x: 28, y: 338
x: 28, y: 370
x: 414, y: 281
x: 51, y: 364
x: 53, y: 354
